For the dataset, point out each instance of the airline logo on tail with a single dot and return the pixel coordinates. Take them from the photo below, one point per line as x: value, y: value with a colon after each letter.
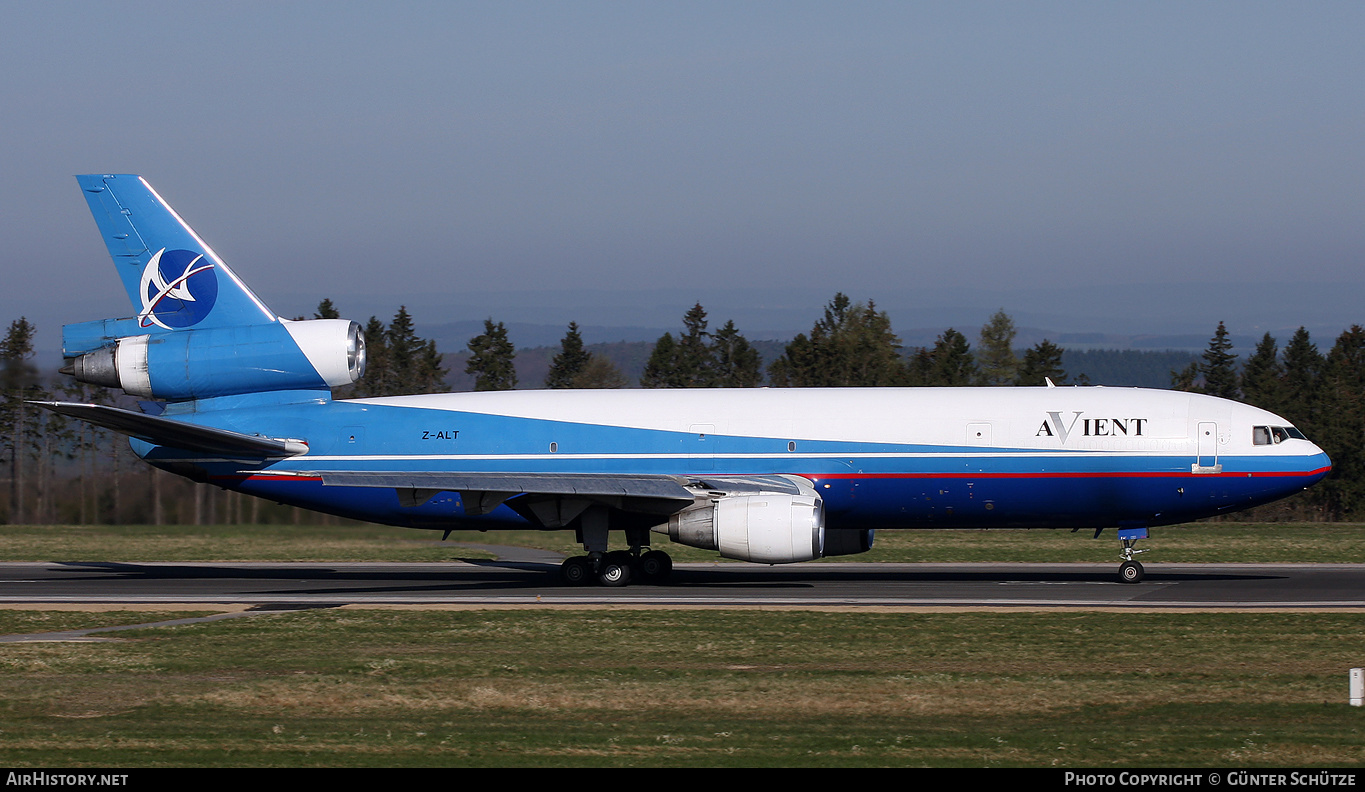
x: 178, y: 289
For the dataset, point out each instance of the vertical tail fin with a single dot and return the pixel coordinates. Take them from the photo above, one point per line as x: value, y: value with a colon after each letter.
x: 199, y: 332
x: 173, y: 279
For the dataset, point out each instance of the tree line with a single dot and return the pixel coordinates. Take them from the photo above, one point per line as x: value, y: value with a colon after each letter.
x: 1323, y: 395
x: 61, y: 470
x: 851, y: 345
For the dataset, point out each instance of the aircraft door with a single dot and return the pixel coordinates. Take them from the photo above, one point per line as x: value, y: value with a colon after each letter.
x: 1206, y: 454
x: 702, y: 454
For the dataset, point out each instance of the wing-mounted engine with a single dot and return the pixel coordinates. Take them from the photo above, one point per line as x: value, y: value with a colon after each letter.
x: 198, y: 363
x: 768, y: 520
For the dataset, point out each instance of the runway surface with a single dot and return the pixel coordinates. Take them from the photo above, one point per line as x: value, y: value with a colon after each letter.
x: 535, y: 582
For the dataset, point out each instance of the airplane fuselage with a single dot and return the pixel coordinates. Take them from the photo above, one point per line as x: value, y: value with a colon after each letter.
x: 882, y: 458
x: 241, y: 397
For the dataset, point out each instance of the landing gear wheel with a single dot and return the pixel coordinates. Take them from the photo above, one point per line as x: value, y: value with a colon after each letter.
x: 575, y: 571
x: 1131, y: 572
x: 615, y: 571
x: 655, y: 566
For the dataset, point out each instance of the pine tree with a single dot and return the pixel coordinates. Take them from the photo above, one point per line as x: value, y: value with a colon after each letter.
x: 1187, y: 379
x: 599, y: 372
x: 871, y: 349
x: 1263, y: 376
x: 19, y: 430
x: 1303, y: 366
x: 852, y: 345
x: 661, y: 370
x: 397, y: 361
x: 995, y: 354
x: 570, y: 361
x: 698, y: 359
x: 814, y: 361
x: 87, y: 441
x: 430, y: 375
x: 695, y: 367
x: 378, y: 379
x: 1341, y: 426
x: 950, y: 363
x: 919, y: 369
x: 491, y: 360
x: 1041, y: 363
x: 800, y: 363
x: 736, y: 364
x: 1219, y: 368
x: 953, y: 362
x: 405, y: 352
x: 326, y: 310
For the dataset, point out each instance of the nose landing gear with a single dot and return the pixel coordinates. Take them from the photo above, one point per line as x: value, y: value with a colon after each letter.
x: 1130, y: 571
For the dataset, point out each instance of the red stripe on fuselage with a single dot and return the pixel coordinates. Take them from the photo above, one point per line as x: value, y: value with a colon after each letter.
x: 1075, y: 474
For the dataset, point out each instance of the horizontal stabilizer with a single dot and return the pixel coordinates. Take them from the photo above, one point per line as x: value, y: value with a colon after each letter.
x: 177, y: 434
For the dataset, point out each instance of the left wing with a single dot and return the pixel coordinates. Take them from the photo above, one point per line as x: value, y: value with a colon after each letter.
x: 553, y: 500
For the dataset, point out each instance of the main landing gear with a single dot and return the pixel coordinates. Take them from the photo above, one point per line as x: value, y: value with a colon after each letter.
x: 617, y: 567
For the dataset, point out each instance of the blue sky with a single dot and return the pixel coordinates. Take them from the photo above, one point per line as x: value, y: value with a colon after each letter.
x: 430, y: 152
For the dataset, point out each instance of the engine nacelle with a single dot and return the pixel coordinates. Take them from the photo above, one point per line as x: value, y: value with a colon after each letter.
x: 223, y: 361
x: 768, y: 528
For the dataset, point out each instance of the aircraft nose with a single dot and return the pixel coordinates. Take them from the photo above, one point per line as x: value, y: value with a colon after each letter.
x: 1319, y: 464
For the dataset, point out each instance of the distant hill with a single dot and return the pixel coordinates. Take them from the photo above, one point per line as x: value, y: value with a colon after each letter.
x: 1126, y: 367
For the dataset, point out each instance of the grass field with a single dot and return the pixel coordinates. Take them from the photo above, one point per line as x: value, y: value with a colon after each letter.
x: 699, y: 687
x: 1192, y: 543
x: 688, y: 688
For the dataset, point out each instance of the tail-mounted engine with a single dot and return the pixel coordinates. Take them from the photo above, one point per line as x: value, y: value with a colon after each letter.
x: 218, y: 361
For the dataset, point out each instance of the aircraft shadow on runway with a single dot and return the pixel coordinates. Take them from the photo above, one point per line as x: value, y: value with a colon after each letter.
x: 484, y: 575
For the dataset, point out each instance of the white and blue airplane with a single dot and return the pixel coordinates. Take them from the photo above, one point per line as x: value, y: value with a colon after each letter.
x: 239, y: 397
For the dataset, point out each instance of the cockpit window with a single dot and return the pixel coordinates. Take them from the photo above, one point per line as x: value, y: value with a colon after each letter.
x: 1273, y: 435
